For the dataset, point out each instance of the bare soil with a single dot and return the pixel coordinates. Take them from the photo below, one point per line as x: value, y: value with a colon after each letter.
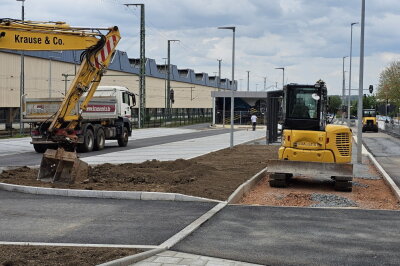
x: 366, y: 194
x: 41, y: 255
x: 215, y: 175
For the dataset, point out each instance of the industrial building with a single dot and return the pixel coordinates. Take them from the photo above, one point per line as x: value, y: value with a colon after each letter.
x: 49, y: 74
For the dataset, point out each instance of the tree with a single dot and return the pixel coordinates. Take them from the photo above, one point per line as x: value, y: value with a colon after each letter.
x: 369, y: 102
x: 334, y: 103
x: 389, y: 84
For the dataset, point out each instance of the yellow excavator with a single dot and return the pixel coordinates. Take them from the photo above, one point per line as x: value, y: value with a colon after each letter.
x: 310, y: 146
x: 63, y: 164
x: 369, y: 122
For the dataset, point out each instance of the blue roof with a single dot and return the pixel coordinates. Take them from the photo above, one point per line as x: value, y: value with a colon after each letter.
x: 122, y: 63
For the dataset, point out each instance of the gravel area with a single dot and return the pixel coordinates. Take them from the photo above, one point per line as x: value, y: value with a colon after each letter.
x: 369, y: 192
x: 329, y: 200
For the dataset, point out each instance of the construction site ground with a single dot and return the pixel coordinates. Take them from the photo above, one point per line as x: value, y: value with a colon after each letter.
x: 215, y: 175
x: 71, y: 256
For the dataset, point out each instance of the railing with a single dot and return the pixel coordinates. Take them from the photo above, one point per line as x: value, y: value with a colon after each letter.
x: 393, y: 127
x: 240, y: 117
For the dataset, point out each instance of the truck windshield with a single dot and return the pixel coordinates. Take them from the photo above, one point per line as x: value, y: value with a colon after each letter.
x: 369, y: 113
x: 303, y: 103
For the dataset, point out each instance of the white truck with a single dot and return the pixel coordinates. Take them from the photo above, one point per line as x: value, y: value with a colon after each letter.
x: 107, y: 117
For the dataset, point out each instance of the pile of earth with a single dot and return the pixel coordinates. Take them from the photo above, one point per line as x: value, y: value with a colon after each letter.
x: 215, y: 175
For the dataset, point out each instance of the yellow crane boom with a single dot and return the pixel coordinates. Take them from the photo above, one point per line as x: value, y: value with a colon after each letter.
x: 98, y: 50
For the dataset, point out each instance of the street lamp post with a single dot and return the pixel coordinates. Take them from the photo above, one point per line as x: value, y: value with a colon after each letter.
x: 360, y: 86
x: 248, y: 80
x: 22, y: 77
x: 351, y: 51
x: 169, y: 78
x: 165, y: 82
x: 283, y: 75
x: 233, y: 79
x: 343, y: 89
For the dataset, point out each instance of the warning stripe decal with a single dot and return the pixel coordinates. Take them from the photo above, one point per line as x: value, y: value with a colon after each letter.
x: 107, y: 49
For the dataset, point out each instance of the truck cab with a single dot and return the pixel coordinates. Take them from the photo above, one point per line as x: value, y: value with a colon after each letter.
x: 125, y: 99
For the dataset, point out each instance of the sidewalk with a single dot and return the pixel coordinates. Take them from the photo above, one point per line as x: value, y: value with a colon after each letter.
x: 185, y: 149
x: 169, y: 258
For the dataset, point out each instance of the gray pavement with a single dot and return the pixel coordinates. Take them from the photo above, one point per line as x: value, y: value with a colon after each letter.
x: 386, y: 150
x: 51, y: 219
x: 19, y: 152
x: 299, y: 236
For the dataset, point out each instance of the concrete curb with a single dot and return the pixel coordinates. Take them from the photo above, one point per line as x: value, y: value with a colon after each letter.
x: 103, y: 194
x: 389, y: 181
x: 386, y: 177
x: 245, y: 187
x: 193, y: 226
x: 134, y: 258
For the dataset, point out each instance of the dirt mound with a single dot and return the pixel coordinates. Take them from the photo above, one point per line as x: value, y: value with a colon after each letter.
x: 215, y: 175
x: 37, y: 255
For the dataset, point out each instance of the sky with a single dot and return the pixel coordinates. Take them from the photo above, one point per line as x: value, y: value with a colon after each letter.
x: 307, y: 37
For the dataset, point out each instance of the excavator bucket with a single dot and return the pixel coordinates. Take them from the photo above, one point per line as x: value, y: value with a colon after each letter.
x: 62, y: 166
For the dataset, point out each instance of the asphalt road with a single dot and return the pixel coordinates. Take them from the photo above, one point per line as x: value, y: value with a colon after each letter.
x: 51, y: 219
x: 386, y: 150
x: 299, y: 236
x: 34, y: 158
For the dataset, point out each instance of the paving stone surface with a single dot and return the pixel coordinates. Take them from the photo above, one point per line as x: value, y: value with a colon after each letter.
x: 169, y: 258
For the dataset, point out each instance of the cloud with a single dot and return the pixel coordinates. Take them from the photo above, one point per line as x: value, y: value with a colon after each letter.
x: 308, y: 37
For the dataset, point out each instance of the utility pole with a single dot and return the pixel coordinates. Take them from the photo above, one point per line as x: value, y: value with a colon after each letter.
x: 219, y: 87
x: 22, y: 78
x: 169, y: 77
x: 283, y: 75
x: 142, y: 78
x: 248, y: 80
x: 265, y: 83
x: 343, y: 89
x: 66, y: 82
x: 165, y: 82
x: 360, y: 88
x: 219, y: 73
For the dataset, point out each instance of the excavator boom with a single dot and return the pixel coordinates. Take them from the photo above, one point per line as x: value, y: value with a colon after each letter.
x: 64, y: 164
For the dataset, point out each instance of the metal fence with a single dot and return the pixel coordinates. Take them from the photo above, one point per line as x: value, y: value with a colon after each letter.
x: 160, y: 117
x: 393, y: 127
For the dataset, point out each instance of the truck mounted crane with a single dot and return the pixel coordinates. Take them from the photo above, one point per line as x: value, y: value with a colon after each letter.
x: 63, y: 164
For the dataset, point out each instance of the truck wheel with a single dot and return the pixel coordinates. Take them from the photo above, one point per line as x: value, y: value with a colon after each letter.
x: 40, y: 148
x: 100, y: 140
x: 123, y: 139
x: 88, y: 143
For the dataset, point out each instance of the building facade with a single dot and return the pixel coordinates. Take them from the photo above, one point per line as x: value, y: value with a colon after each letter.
x: 49, y: 74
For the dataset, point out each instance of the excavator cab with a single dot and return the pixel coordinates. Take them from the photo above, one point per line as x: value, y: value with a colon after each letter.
x: 305, y: 106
